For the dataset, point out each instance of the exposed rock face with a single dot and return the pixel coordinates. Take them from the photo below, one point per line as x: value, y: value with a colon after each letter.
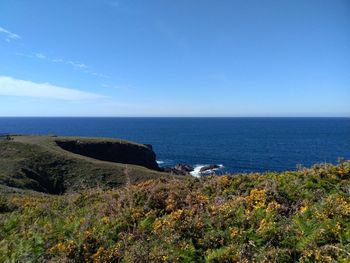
x: 179, y: 169
x: 184, y: 167
x: 127, y: 153
x: 209, y: 167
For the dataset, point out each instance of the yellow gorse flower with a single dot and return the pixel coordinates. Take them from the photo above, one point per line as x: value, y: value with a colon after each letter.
x: 257, y: 198
x: 96, y: 257
x: 304, y: 208
x: 272, y: 206
x: 105, y: 220
x: 234, y: 232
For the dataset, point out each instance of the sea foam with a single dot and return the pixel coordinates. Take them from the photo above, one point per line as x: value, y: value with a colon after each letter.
x: 197, y: 170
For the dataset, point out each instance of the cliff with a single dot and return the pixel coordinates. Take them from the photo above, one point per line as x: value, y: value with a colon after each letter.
x: 56, y: 165
x: 112, y: 151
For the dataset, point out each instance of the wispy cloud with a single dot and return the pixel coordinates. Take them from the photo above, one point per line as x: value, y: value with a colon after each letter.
x: 9, y: 35
x: 57, y: 60
x: 40, y: 56
x: 75, y: 64
x: 23, y: 88
x: 100, y: 75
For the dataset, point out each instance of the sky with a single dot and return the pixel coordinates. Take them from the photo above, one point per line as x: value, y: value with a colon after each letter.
x: 227, y: 58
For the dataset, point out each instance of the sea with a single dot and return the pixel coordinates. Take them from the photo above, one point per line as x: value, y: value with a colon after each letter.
x: 236, y: 144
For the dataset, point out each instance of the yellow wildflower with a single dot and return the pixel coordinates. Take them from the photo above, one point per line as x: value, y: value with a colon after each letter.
x: 304, y: 208
x: 337, y: 228
x: 258, y: 198
x: 170, y: 203
x: 96, y: 256
x: 263, y: 225
x: 105, y: 220
x: 202, y: 199
x: 234, y: 232
x: 176, y: 215
x: 273, y: 206
x: 224, y: 180
x: 157, y: 225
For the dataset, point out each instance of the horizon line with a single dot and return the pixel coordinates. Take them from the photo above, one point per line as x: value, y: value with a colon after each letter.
x: 174, y: 116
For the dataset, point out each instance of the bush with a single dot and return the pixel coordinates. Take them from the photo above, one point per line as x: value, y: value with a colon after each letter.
x: 301, y: 216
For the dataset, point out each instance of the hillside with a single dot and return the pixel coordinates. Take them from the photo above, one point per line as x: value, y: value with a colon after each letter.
x: 299, y: 216
x: 56, y: 165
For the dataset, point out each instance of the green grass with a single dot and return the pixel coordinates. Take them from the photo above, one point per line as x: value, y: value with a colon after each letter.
x: 37, y: 163
x: 300, y: 216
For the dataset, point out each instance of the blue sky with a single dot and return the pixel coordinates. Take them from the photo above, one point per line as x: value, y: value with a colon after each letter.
x: 175, y: 58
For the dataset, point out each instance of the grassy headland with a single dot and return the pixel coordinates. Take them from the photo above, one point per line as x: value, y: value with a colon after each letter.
x: 39, y: 163
x: 299, y: 216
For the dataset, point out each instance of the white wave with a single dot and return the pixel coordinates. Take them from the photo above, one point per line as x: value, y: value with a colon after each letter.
x: 197, y: 170
x: 160, y: 162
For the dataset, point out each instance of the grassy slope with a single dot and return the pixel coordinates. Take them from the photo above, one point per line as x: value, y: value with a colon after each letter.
x: 301, y: 216
x: 36, y: 162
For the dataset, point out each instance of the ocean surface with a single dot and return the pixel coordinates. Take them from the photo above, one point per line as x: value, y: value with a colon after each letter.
x: 238, y: 144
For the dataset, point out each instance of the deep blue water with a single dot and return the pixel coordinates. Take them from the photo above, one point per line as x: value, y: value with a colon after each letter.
x: 240, y: 144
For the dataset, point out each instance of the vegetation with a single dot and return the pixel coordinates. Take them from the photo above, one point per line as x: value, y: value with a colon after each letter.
x: 300, y: 216
x: 38, y: 163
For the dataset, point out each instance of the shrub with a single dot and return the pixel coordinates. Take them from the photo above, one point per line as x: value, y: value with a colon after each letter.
x: 300, y: 216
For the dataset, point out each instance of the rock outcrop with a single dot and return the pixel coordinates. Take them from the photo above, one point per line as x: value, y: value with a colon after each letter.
x: 123, y: 152
x: 209, y: 167
x: 179, y: 169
